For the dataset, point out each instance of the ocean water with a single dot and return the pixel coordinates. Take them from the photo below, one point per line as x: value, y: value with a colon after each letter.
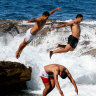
x: 27, y: 9
x: 82, y: 67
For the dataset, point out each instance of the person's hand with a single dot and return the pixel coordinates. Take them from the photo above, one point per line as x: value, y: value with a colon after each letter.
x: 76, y: 90
x: 58, y: 8
x: 61, y: 93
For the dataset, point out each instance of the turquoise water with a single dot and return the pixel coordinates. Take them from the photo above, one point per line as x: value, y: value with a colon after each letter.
x: 27, y: 9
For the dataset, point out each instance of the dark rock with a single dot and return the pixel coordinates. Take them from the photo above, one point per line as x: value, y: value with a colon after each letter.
x: 13, y: 76
x: 9, y: 27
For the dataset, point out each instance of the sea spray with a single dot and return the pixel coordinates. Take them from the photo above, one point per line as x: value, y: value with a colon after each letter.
x: 82, y: 68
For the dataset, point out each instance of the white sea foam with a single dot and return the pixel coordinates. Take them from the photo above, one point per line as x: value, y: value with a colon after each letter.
x: 89, y: 22
x: 82, y: 68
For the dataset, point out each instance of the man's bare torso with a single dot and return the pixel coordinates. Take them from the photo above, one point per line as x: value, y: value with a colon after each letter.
x: 75, y: 30
x: 50, y: 68
x: 38, y: 25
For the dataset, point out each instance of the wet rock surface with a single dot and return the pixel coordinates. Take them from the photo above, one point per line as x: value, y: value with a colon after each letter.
x: 11, y: 28
x: 19, y: 26
x: 13, y: 76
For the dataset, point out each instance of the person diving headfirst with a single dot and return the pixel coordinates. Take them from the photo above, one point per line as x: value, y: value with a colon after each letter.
x: 30, y: 33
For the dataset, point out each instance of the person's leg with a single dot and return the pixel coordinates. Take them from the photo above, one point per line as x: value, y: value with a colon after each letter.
x: 61, y: 50
x: 21, y: 47
x: 47, y: 89
x: 49, y: 85
x: 71, y: 49
x: 59, y: 45
x: 52, y: 83
x: 46, y: 83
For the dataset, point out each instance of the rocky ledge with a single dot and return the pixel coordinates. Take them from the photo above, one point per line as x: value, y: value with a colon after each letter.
x: 13, y: 76
x: 20, y: 26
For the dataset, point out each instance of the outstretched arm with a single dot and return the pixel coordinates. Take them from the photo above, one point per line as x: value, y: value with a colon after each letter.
x: 51, y: 12
x: 72, y: 81
x: 67, y: 24
x: 35, y: 20
x: 56, y: 81
x: 32, y: 20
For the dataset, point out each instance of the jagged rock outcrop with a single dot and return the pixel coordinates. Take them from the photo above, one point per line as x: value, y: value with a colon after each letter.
x: 13, y: 75
x: 6, y: 26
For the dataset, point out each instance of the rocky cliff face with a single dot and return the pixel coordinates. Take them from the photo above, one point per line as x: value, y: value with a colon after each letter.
x: 13, y: 75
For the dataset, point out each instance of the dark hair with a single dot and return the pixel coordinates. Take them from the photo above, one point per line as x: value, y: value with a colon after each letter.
x: 64, y: 75
x: 79, y: 15
x: 46, y: 13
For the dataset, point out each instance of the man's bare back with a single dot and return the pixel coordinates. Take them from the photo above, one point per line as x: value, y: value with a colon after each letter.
x: 41, y: 21
x: 51, y: 68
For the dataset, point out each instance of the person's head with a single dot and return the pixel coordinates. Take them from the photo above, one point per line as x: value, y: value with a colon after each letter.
x: 46, y: 13
x: 79, y: 16
x: 63, y: 75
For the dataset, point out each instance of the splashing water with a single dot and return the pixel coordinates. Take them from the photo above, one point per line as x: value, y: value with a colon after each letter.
x: 82, y: 67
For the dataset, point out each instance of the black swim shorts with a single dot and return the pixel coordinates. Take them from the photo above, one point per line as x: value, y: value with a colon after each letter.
x: 73, y: 41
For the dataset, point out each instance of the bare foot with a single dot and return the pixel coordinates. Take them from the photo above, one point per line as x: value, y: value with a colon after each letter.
x: 51, y: 53
x: 57, y: 45
x: 17, y: 54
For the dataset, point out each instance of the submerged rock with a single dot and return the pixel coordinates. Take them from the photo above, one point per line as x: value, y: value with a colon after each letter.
x: 13, y: 75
